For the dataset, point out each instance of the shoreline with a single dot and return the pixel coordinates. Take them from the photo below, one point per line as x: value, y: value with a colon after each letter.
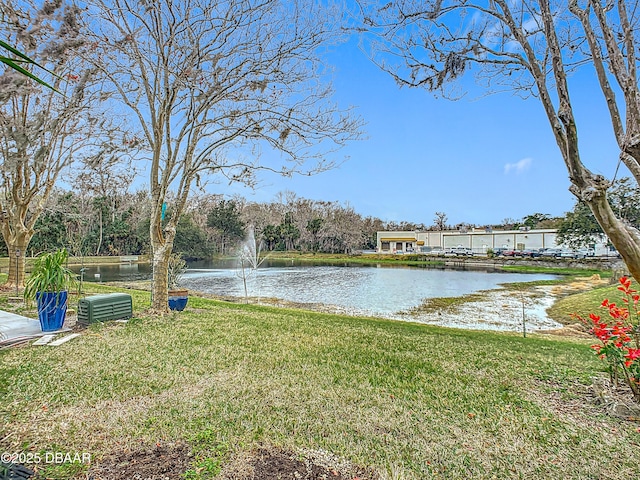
x: 501, y: 309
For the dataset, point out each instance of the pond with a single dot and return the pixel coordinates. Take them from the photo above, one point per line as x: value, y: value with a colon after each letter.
x: 369, y: 290
x: 372, y: 290
x: 124, y: 272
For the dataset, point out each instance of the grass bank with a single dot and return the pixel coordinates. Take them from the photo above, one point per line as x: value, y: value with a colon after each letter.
x: 365, y: 259
x: 88, y: 260
x: 560, y: 270
x: 570, y: 280
x: 409, y: 400
x: 416, y: 260
x: 584, y: 303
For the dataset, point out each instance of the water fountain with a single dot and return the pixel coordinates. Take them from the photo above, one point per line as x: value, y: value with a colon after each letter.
x: 249, y: 259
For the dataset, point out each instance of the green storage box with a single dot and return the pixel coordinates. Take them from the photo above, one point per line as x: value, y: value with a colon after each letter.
x: 100, y: 308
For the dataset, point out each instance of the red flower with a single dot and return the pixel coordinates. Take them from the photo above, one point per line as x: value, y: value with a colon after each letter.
x: 617, y: 312
x: 632, y: 355
x: 601, y: 332
x: 625, y: 284
x: 621, y: 330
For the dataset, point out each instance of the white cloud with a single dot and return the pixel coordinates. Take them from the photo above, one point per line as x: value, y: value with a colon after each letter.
x: 518, y: 167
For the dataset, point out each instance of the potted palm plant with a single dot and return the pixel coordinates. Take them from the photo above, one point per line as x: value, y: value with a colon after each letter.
x: 178, y: 297
x: 49, y: 285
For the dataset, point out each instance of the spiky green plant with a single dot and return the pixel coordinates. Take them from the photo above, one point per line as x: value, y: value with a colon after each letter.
x: 49, y: 274
x: 177, y: 268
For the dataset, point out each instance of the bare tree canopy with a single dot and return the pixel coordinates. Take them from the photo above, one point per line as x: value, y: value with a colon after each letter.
x: 226, y: 88
x: 42, y: 131
x: 533, y: 48
x: 440, y: 221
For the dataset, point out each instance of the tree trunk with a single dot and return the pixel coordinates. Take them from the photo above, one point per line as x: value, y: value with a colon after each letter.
x: 160, y: 285
x: 624, y: 237
x: 19, y: 241
x: 161, y: 247
x: 100, y: 234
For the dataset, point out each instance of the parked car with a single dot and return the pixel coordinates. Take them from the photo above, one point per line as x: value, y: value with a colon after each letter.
x: 531, y: 252
x: 498, y: 251
x: 463, y: 251
x: 550, y: 252
x: 586, y: 252
x: 580, y: 253
x: 436, y: 251
x: 509, y: 252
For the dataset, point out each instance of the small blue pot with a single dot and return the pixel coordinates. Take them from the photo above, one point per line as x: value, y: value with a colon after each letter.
x: 178, y: 300
x: 52, y: 310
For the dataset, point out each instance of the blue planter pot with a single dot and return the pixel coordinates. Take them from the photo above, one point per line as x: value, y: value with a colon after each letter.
x: 178, y: 300
x: 52, y: 309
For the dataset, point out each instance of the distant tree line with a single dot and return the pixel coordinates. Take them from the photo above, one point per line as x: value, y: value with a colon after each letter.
x: 116, y: 222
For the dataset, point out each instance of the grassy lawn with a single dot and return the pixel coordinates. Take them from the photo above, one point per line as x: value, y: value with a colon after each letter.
x: 410, y: 401
x: 343, y: 259
x: 558, y: 270
x: 584, y: 303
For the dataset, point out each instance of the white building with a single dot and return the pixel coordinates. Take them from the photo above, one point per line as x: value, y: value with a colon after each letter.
x: 477, y: 239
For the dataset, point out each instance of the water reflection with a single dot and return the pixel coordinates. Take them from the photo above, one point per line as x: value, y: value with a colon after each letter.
x: 114, y: 273
x: 357, y: 289
x: 365, y: 289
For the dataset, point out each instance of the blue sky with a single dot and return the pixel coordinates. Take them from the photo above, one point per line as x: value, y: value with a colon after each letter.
x: 480, y: 159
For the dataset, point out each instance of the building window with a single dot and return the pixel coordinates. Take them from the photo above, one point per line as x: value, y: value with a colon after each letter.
x: 386, y: 246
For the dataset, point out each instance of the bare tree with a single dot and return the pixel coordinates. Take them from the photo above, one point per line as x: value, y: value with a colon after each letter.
x: 42, y: 131
x: 440, y: 221
x: 344, y: 229
x: 214, y: 83
x: 532, y: 47
x: 108, y: 176
x: 509, y: 223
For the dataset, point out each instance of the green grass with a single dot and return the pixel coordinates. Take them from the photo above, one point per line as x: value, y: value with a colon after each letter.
x: 368, y: 259
x: 583, y: 303
x: 412, y: 401
x: 88, y: 260
x: 556, y: 270
x: 430, y: 305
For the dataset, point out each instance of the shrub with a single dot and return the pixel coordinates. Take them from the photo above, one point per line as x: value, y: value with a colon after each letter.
x: 619, y: 337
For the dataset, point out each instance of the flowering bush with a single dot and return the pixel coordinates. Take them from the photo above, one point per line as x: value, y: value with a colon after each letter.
x: 619, y: 337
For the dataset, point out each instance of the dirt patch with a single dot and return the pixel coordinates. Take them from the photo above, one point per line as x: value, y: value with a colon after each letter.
x: 160, y: 462
x: 593, y: 407
x: 277, y: 464
x: 577, y: 330
x: 172, y: 461
x: 578, y: 286
x: 616, y: 399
